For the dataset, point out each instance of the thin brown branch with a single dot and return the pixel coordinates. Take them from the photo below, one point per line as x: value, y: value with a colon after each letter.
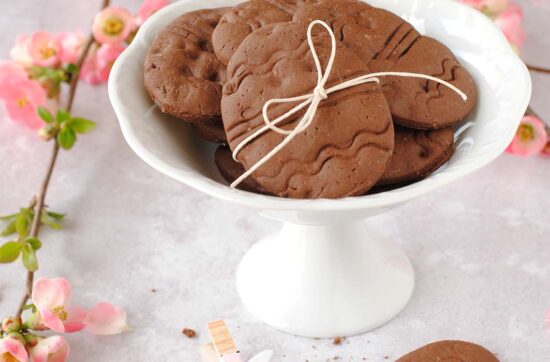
x: 35, y: 226
x: 76, y: 74
x: 38, y: 201
x: 534, y: 68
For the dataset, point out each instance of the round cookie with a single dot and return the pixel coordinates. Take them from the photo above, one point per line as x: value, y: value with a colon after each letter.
x: 243, y: 19
x: 416, y: 154
x: 211, y: 131
x: 231, y: 170
x: 450, y: 351
x: 182, y: 74
x: 348, y: 145
x: 386, y: 42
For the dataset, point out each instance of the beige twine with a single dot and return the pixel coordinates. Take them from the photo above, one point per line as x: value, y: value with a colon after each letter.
x: 313, y: 100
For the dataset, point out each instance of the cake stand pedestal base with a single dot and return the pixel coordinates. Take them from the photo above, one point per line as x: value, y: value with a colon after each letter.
x: 325, y: 280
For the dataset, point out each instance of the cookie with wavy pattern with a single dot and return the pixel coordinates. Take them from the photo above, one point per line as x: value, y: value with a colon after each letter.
x: 232, y: 170
x: 450, y: 351
x: 347, y: 147
x: 244, y: 18
x: 386, y: 42
x: 181, y: 72
x: 417, y: 153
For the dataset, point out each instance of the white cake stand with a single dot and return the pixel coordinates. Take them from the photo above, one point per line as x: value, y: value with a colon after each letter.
x: 325, y: 274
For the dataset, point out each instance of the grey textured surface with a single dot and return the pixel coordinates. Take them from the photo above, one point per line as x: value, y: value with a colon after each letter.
x: 481, y: 247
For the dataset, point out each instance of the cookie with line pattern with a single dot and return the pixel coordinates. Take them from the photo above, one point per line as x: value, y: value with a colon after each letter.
x: 417, y: 153
x: 243, y: 19
x: 232, y: 170
x: 211, y: 131
x: 386, y: 42
x: 348, y: 145
x: 182, y: 74
x: 450, y: 351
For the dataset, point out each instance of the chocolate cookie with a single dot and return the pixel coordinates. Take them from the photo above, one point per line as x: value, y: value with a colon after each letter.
x: 385, y: 42
x: 231, y: 170
x: 417, y: 153
x: 244, y: 18
x: 347, y: 147
x: 211, y: 131
x: 182, y: 74
x: 450, y: 351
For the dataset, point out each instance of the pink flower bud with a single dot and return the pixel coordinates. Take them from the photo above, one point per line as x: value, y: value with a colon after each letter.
x: 11, y: 324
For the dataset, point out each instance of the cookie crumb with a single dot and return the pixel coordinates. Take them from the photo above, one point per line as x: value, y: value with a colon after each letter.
x: 153, y: 290
x: 337, y: 340
x: 189, y: 333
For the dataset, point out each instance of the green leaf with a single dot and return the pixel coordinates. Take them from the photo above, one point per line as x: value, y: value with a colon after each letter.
x: 9, y: 252
x: 34, y: 242
x: 48, y: 221
x: 62, y: 116
x: 66, y: 138
x: 82, y: 125
x: 29, y: 258
x: 22, y: 224
x: 8, y: 217
x: 28, y: 306
x: 45, y: 114
x: 9, y: 230
x: 55, y: 215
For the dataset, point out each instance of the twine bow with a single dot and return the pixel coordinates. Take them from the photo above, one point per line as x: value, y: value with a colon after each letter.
x: 314, y: 99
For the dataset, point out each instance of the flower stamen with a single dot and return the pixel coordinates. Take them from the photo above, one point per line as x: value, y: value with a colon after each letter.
x: 526, y: 132
x: 22, y: 102
x: 113, y: 26
x: 47, y: 52
x: 60, y: 312
x: 8, y: 357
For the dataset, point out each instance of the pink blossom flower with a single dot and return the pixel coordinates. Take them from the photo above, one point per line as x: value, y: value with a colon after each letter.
x: 20, y: 52
x: 52, y: 298
x: 148, y: 8
x: 21, y: 95
x: 44, y: 49
x: 51, y: 349
x: 71, y: 44
x: 12, y: 350
x: 112, y: 25
x: 88, y: 71
x: 530, y: 138
x: 106, y: 56
x: 98, y: 64
x: 106, y: 319
x: 510, y: 22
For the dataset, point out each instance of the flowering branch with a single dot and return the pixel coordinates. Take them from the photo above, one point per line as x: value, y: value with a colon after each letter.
x: 30, y: 87
x: 41, y: 196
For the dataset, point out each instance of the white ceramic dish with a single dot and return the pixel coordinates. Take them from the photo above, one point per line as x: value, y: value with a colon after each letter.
x: 324, y: 274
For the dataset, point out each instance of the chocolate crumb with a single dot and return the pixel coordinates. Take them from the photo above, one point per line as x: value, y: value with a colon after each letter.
x: 189, y: 332
x: 338, y: 340
x: 153, y: 290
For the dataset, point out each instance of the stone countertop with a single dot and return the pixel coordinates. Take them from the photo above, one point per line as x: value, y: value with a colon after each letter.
x: 168, y: 254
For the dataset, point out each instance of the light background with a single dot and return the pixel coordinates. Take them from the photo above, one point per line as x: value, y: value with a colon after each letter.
x: 480, y: 247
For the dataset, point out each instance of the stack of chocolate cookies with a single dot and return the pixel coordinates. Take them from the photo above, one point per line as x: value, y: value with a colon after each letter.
x: 216, y: 68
